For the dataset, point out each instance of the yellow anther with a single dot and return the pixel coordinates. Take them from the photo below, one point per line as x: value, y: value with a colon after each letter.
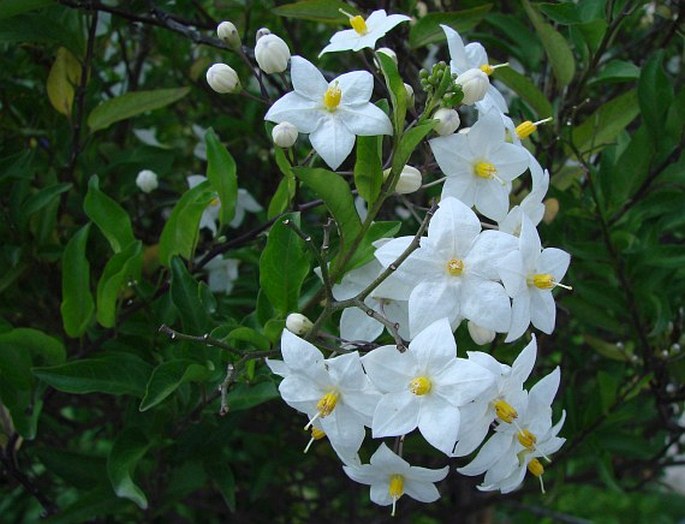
x: 484, y: 169
x: 332, y: 96
x: 527, y: 128
x: 536, y: 468
x: 395, y: 489
x: 504, y: 411
x: 541, y: 281
x: 527, y: 439
x: 326, y: 404
x: 215, y: 202
x: 318, y: 434
x: 487, y: 69
x: 455, y: 267
x: 359, y: 25
x: 420, y: 386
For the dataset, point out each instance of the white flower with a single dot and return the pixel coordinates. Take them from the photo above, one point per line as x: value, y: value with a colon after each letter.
x: 479, y: 334
x: 473, y: 56
x: 364, y: 33
x: 410, y: 180
x: 222, y: 274
x: 223, y: 79
x: 331, y: 113
x: 474, y: 84
x: 448, y: 121
x: 336, y: 392
x: 147, y: 181
x: 272, y: 54
x: 480, y: 165
x: 227, y: 32
x: 529, y: 275
x: 390, y: 477
x: 499, y: 403
x: 424, y: 387
x: 532, y: 205
x: 453, y: 274
x: 516, y: 447
x: 210, y: 216
x: 284, y: 134
x: 298, y: 324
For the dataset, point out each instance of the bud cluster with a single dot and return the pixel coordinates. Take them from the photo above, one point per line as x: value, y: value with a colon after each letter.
x: 440, y: 85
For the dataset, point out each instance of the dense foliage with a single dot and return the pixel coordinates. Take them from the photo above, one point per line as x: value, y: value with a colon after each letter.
x: 132, y: 388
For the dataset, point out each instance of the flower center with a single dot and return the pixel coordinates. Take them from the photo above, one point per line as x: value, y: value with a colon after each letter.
x: 332, y: 96
x: 420, y: 386
x: 504, y: 411
x: 455, y: 266
x: 395, y: 489
x: 541, y: 281
x: 488, y: 69
x: 484, y: 169
x: 326, y: 404
x: 527, y: 128
x: 359, y: 25
x: 527, y: 439
x: 536, y: 468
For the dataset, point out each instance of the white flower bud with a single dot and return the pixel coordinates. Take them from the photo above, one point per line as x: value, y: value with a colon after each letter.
x: 448, y: 121
x: 262, y: 31
x: 223, y: 79
x: 284, y: 134
x: 410, y: 94
x: 227, y: 33
x: 474, y: 83
x: 410, y: 180
x: 147, y: 181
x: 479, y: 334
x: 272, y: 54
x: 298, y: 324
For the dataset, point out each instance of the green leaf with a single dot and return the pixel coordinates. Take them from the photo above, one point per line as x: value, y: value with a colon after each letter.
x: 64, y: 76
x: 78, y: 469
x: 185, y: 294
x: 327, y: 11
x: 565, y: 13
x: 616, y: 71
x: 77, y: 306
x: 286, y: 188
x: 556, y: 47
x: 168, y: 376
x: 368, y: 169
x: 249, y: 335
x: 181, y: 230
x: 526, y: 89
x: 132, y: 104
x: 44, y: 197
x: 245, y: 396
x: 129, y: 447
x: 123, y: 267
x: 604, y: 125
x: 9, y: 8
x: 427, y: 29
x: 365, y: 251
x: 283, y: 266
x: 224, y: 480
x: 113, y: 373
x: 593, y: 33
x: 108, y: 215
x: 408, y: 143
x: 655, y: 94
x: 334, y: 191
x: 42, y: 29
x: 221, y: 173
x: 398, y: 94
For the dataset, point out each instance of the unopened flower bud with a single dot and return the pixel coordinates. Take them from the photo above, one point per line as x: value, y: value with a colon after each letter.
x: 410, y: 94
x: 147, y: 181
x: 262, y: 31
x: 479, y: 334
x: 474, y: 83
x: 227, y: 33
x: 223, y: 79
x: 448, y: 121
x: 272, y: 54
x: 410, y: 180
x: 284, y: 134
x: 298, y: 324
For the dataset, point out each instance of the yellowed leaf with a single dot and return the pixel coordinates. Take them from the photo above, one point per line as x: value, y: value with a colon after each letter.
x: 64, y: 76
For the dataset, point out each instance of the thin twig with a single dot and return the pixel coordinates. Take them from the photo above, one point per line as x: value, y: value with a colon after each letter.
x: 204, y: 339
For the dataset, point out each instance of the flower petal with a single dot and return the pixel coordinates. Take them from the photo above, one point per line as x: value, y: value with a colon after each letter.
x: 365, y: 120
x: 439, y: 423
x: 454, y: 227
x: 388, y: 369
x: 356, y: 87
x: 397, y: 414
x: 543, y: 311
x: 304, y: 114
x: 307, y: 80
x: 487, y: 304
x: 434, y: 347
x: 332, y: 141
x: 356, y: 325
x: 430, y: 301
x: 520, y: 316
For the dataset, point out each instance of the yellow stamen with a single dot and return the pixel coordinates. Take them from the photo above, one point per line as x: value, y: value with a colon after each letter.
x: 455, y: 267
x: 332, y: 96
x: 545, y: 281
x: 489, y: 69
x: 327, y: 403
x: 357, y: 22
x: 536, y: 468
x: 484, y: 169
x: 420, y: 386
x: 527, y: 128
x: 395, y: 489
x: 215, y: 202
x: 317, y: 434
x: 504, y: 411
x: 527, y: 439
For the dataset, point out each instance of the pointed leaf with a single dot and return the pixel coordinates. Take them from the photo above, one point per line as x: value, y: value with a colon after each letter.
x: 395, y: 85
x: 221, y: 173
x: 122, y: 268
x: 427, y: 29
x: 108, y: 215
x: 64, y: 76
x: 327, y: 11
x: 77, y: 306
x: 368, y: 172
x: 185, y: 294
x: 168, y: 376
x: 129, y: 447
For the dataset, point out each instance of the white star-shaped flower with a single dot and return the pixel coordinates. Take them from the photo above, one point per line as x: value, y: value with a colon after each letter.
x: 222, y: 274
x: 390, y: 477
x: 473, y: 56
x: 364, y: 33
x: 424, y: 387
x: 480, y: 165
x: 332, y: 113
x: 516, y: 447
x: 529, y: 275
x: 498, y: 403
x: 453, y: 274
x: 334, y: 391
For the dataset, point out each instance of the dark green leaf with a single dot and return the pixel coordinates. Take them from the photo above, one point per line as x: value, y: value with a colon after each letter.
x: 129, y: 447
x: 368, y: 172
x: 565, y: 13
x: 408, y: 143
x: 593, y: 33
x: 221, y: 173
x: 122, y: 268
x: 10, y: 8
x: 79, y: 469
x: 41, y: 199
x: 223, y: 478
x: 286, y: 188
x: 245, y: 396
x: 655, y: 94
x: 131, y: 104
x: 398, y: 93
x: 526, y: 89
x: 185, y: 293
x: 427, y: 29
x: 109, y: 216
x: 77, y: 306
x: 327, y: 11
x: 168, y: 376
x: 616, y: 71
x: 249, y: 335
x: 377, y: 230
